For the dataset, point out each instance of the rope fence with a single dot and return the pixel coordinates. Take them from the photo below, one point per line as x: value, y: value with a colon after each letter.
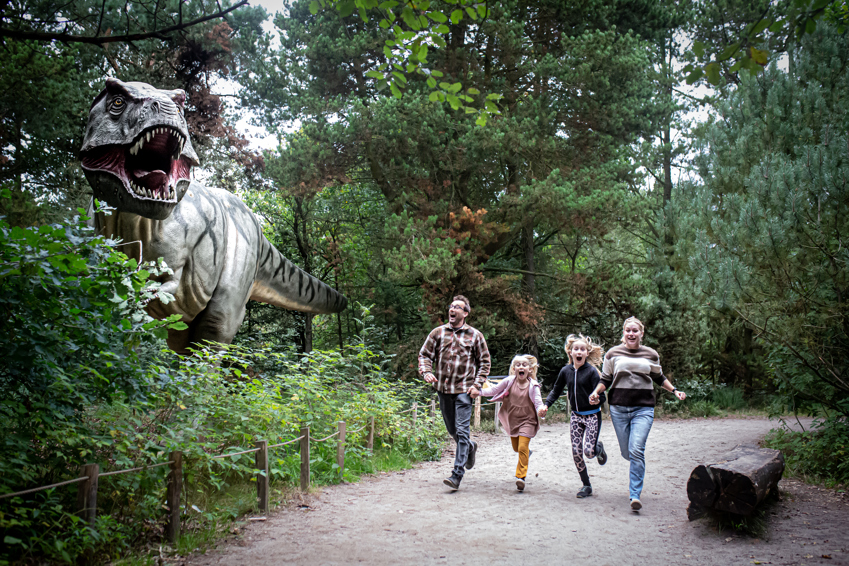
x: 285, y: 443
x: 42, y: 488
x: 235, y: 453
x: 90, y: 473
x: 119, y: 472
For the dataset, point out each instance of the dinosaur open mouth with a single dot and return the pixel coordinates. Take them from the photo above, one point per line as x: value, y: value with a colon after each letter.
x: 149, y: 167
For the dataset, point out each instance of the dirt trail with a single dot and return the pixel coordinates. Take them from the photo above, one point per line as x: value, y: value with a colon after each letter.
x: 411, y: 518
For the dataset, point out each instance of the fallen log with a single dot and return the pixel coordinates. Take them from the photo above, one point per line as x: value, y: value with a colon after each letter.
x: 701, y: 488
x: 736, y: 484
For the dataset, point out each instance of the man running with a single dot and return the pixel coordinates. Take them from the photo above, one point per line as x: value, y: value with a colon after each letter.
x: 455, y: 359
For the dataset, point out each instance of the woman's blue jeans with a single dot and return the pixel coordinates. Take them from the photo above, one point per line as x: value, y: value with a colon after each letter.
x: 632, y: 426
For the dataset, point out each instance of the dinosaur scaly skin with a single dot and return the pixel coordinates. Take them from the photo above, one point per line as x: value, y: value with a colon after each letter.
x: 137, y: 156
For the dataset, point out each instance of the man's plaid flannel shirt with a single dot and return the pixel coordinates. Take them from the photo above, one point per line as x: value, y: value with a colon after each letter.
x: 459, y: 358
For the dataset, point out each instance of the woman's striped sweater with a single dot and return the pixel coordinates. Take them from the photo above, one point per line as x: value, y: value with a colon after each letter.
x: 628, y: 375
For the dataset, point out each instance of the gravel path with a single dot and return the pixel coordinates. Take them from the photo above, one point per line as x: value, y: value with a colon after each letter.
x: 411, y: 518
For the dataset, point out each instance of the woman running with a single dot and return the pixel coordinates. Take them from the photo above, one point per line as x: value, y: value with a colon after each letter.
x: 629, y: 371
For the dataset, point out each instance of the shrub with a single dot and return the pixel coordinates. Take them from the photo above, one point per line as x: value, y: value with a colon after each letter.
x: 821, y: 452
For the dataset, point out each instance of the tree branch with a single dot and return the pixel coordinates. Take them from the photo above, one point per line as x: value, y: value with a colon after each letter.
x: 69, y: 38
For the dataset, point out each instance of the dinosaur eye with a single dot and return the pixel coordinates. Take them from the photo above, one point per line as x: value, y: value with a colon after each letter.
x: 117, y: 105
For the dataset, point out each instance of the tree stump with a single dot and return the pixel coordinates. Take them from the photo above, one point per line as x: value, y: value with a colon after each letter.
x: 737, y: 484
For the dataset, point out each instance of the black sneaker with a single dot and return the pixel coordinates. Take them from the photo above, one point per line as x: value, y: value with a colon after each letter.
x: 601, y: 455
x: 453, y: 482
x: 470, y: 459
x: 585, y: 491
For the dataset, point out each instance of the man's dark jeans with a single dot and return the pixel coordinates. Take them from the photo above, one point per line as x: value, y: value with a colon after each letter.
x: 457, y: 413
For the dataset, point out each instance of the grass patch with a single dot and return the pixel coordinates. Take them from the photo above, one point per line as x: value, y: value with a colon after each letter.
x: 755, y: 525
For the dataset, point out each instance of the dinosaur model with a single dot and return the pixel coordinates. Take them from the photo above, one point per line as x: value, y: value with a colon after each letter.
x: 137, y: 156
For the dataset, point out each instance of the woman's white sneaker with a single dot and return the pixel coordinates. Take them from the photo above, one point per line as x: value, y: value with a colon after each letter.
x: 636, y: 505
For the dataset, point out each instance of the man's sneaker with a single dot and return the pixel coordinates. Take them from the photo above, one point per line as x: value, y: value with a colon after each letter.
x: 585, y: 491
x: 452, y: 482
x: 470, y: 459
x: 601, y: 455
x: 520, y: 484
x: 636, y: 505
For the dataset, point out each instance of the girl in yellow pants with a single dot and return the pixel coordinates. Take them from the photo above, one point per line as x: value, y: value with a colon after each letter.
x: 521, y: 402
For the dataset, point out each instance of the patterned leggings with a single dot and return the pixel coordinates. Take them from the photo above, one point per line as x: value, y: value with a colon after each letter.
x: 579, y: 425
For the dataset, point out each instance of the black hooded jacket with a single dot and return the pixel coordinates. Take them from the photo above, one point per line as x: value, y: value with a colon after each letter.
x: 578, y: 390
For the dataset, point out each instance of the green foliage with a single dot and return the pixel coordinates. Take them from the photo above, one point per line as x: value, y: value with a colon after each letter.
x: 766, y: 225
x: 820, y: 453
x: 73, y: 322
x: 729, y: 398
x: 732, y: 35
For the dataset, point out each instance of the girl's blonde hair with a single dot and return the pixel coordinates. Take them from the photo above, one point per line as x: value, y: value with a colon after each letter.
x: 532, y: 362
x: 632, y: 320
x: 595, y: 352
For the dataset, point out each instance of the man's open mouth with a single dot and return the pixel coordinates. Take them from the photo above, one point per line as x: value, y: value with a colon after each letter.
x: 149, y: 168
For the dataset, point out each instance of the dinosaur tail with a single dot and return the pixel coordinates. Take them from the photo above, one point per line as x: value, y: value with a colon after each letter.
x: 281, y: 283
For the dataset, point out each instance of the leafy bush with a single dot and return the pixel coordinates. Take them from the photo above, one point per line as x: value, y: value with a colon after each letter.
x: 821, y: 452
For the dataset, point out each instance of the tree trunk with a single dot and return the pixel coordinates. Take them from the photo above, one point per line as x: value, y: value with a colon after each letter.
x: 308, y: 332
x: 528, y: 250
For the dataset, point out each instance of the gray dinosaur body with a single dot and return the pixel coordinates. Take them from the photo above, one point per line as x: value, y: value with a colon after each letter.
x: 137, y: 156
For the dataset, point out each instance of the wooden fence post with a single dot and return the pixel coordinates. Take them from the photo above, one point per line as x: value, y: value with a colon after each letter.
x: 340, y: 449
x: 305, y: 459
x: 370, y: 444
x: 477, y: 412
x: 433, y: 409
x: 175, y: 487
x: 87, y: 493
x: 497, y: 422
x: 262, y: 476
x: 415, y: 414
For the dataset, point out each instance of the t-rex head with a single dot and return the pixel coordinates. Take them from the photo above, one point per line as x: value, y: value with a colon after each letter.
x: 137, y: 154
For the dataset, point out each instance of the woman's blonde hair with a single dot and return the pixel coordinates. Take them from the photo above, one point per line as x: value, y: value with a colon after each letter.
x: 595, y: 352
x: 632, y: 320
x: 532, y: 362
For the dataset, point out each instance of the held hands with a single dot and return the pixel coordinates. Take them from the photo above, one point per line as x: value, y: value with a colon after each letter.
x: 474, y: 392
x: 594, y: 400
x: 681, y: 395
x: 542, y: 411
x: 429, y: 377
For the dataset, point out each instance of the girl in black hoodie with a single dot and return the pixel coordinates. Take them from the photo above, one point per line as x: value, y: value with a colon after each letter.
x: 579, y: 379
